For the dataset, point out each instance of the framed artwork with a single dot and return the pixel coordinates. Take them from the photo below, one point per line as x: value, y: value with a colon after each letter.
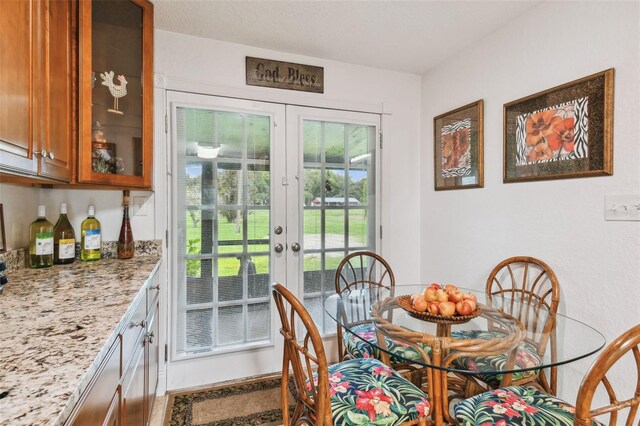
x: 563, y: 132
x: 3, y: 239
x: 458, y: 149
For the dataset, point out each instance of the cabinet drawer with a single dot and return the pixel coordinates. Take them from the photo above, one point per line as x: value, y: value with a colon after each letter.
x: 96, y: 403
x: 132, y: 335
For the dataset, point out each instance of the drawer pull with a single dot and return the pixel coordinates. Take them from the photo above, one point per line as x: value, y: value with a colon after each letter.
x: 150, y: 337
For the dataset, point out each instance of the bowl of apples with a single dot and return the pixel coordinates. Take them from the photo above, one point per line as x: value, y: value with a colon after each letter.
x: 437, y: 303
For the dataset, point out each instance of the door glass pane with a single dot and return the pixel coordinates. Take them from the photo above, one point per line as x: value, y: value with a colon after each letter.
x: 339, y: 211
x: 223, y: 196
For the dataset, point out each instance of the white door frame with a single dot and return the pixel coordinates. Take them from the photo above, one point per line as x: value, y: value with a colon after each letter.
x: 193, y: 370
x: 211, y: 367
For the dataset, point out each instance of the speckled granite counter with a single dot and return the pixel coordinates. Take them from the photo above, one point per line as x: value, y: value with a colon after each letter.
x: 56, y: 325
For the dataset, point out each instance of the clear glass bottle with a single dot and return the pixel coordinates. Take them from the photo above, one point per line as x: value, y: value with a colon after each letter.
x: 41, y: 241
x: 91, y: 243
x: 64, y: 239
x: 126, y: 245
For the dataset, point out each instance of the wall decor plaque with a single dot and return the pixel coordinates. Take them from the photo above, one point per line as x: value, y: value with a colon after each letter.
x: 562, y: 132
x: 284, y: 75
x: 458, y: 148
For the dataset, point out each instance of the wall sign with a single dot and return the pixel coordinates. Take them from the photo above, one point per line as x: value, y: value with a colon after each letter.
x: 284, y: 75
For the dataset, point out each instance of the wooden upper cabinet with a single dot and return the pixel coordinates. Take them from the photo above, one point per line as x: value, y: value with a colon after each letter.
x: 37, y: 66
x: 17, y: 65
x: 116, y: 93
x: 59, y: 132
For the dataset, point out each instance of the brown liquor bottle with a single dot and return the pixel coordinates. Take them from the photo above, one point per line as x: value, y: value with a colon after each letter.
x: 126, y: 245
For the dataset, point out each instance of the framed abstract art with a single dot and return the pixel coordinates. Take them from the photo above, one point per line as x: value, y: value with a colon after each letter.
x: 458, y: 149
x: 563, y: 132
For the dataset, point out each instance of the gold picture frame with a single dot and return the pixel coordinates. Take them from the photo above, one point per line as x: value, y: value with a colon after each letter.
x: 563, y: 132
x: 458, y: 150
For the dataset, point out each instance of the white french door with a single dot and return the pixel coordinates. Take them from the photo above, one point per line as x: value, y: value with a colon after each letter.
x: 262, y: 193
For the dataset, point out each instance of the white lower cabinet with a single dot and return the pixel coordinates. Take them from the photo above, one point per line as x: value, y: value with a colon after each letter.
x: 122, y: 391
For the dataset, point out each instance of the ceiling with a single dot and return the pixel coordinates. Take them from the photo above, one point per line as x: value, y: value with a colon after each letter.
x: 410, y: 36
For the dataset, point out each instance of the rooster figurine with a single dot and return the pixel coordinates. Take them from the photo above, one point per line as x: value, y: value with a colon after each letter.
x: 117, y: 91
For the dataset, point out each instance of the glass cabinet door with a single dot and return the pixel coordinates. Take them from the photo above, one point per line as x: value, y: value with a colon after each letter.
x: 116, y: 93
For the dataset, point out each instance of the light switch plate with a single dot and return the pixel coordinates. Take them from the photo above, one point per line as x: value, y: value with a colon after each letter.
x: 622, y: 207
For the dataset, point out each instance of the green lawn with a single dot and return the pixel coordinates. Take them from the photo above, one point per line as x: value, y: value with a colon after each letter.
x: 258, y: 228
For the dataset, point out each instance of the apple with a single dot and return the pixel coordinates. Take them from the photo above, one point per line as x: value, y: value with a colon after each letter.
x: 434, y: 286
x: 434, y: 308
x: 413, y: 297
x: 419, y: 304
x: 442, y: 296
x: 464, y: 307
x: 471, y: 299
x: 449, y: 288
x: 456, y: 295
x: 430, y: 295
x: 447, y: 309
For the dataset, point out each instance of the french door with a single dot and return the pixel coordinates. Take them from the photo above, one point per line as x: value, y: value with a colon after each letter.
x: 262, y: 193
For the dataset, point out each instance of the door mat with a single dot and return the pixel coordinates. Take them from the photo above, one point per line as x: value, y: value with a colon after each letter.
x: 256, y: 402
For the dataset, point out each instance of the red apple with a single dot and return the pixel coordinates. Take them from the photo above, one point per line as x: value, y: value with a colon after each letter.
x: 447, y: 309
x: 449, y: 288
x: 464, y: 307
x: 413, y: 296
x: 472, y: 299
x: 419, y: 304
x: 433, y: 308
x: 456, y: 295
x: 434, y: 286
x: 442, y: 296
x: 430, y: 294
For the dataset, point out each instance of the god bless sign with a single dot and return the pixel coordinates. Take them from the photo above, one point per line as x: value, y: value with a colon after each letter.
x: 284, y: 75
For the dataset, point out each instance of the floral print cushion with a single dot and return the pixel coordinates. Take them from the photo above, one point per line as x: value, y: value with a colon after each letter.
x: 367, y: 392
x: 526, y: 357
x: 358, y: 346
x: 513, y: 406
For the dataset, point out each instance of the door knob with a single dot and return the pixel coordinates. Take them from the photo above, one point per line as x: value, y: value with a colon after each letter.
x: 295, y: 247
x: 278, y: 248
x: 51, y: 156
x: 277, y: 230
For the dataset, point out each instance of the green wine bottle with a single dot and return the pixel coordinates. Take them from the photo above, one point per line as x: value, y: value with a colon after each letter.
x: 91, y: 243
x: 64, y: 239
x: 41, y: 241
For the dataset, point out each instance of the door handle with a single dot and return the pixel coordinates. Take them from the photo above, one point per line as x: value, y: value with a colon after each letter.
x: 277, y: 230
x: 278, y: 248
x: 295, y: 247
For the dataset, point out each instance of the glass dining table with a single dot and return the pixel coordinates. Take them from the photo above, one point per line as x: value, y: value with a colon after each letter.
x: 444, y: 348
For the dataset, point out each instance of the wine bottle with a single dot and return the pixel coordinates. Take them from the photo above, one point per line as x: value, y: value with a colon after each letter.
x: 64, y: 239
x: 41, y: 241
x: 126, y: 245
x: 91, y: 242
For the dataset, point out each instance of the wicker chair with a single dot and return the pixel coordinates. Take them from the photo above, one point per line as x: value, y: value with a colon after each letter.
x: 539, y: 408
x: 532, y: 284
x: 361, y: 270
x: 357, y: 391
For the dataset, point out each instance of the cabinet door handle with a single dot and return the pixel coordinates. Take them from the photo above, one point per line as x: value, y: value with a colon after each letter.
x: 51, y: 156
x: 150, y: 337
x: 137, y: 324
x: 155, y: 287
x: 42, y: 153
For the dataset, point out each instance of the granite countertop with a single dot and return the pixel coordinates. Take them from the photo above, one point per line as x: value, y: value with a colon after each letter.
x: 56, y: 325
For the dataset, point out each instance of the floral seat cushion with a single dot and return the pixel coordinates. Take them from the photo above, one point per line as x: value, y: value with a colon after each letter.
x: 358, y: 346
x: 367, y: 392
x: 526, y: 357
x: 513, y: 406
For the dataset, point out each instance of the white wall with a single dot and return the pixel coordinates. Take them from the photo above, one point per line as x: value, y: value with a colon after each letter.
x: 219, y: 68
x: 466, y: 232
x: 20, y: 209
